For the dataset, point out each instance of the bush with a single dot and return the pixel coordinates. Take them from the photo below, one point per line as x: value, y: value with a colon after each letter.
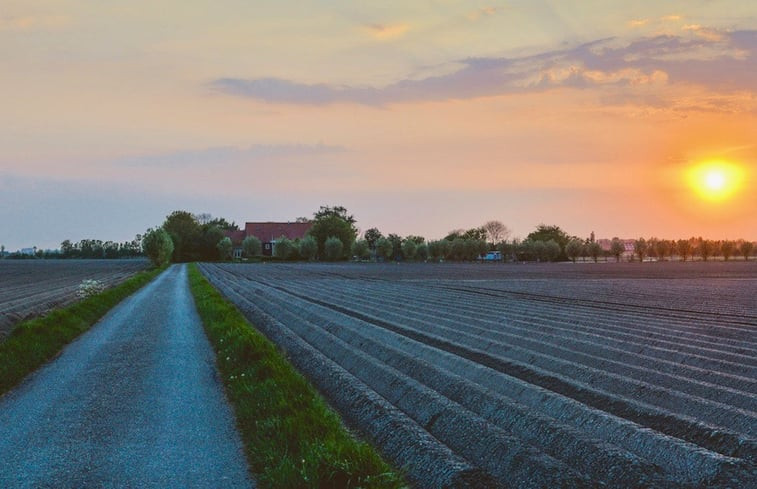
x: 333, y: 248
x: 360, y: 250
x: 252, y: 246
x: 284, y: 248
x: 308, y: 248
x: 225, y: 248
x: 158, y: 246
x: 88, y: 288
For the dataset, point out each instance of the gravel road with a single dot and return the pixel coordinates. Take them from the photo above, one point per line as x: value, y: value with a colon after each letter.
x: 134, y: 402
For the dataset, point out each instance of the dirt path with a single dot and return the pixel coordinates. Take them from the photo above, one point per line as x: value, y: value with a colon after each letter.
x: 134, y: 402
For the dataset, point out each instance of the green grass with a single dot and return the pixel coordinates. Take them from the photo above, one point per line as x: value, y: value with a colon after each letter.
x: 34, y: 342
x: 292, y: 438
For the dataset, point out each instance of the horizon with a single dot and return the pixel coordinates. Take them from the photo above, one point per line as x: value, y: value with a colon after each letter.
x: 419, y: 119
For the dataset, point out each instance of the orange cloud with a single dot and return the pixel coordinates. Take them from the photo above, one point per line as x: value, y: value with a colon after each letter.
x: 30, y: 22
x: 704, y: 32
x: 638, y: 22
x: 385, y: 32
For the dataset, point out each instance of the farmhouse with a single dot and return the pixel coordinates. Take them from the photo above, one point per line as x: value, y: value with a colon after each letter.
x: 268, y: 233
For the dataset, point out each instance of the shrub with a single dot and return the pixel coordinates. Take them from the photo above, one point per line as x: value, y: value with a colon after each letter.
x: 360, y: 250
x: 308, y: 248
x: 333, y: 248
x: 252, y: 246
x: 225, y: 248
x: 284, y: 248
x: 158, y: 246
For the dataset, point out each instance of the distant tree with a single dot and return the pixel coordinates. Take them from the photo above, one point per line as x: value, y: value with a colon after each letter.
x: 396, y: 241
x: 360, y: 249
x: 662, y: 248
x: 158, y: 246
x: 283, y: 248
x: 302, y: 219
x: 333, y: 248
x: 545, y: 233
x: 252, y: 246
x: 371, y: 236
x: 2, y: 251
x: 683, y: 247
x: 185, y: 233
x: 415, y: 239
x: 435, y: 250
x: 421, y: 252
x: 617, y: 248
x: 539, y: 250
x: 308, y: 248
x: 496, y: 231
x: 383, y: 248
x: 551, y: 250
x: 727, y: 249
x: 333, y: 222
x: 225, y: 247
x: 409, y: 248
x: 640, y: 248
x: 456, y: 250
x: 705, y: 248
x: 507, y: 249
x: 478, y: 234
x: 206, y: 244
x: 455, y: 233
x: 573, y: 249
x: 67, y: 249
x: 746, y: 249
x: 595, y: 250
x: 222, y: 224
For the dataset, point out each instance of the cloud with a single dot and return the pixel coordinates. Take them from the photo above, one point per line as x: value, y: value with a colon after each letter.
x: 724, y: 62
x: 638, y: 22
x: 25, y: 23
x: 482, y: 13
x: 385, y: 32
x: 225, y: 156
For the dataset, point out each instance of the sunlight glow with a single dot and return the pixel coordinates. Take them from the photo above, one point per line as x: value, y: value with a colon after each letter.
x: 715, y: 180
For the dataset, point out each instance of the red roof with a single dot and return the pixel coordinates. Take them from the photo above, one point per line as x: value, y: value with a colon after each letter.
x: 269, y: 231
x: 236, y: 236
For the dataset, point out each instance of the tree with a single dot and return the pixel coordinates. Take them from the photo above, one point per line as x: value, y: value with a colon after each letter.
x: 457, y: 249
x: 333, y: 222
x: 746, y: 249
x: 283, y: 248
x: 185, y: 233
x: 705, y: 248
x: 396, y: 241
x: 371, y: 236
x: 727, y: 248
x: 308, y: 248
x: 421, y: 252
x: 617, y: 248
x: 550, y: 251
x: 573, y: 249
x: 225, y: 247
x: 158, y: 246
x: 206, y: 246
x: 333, y: 248
x: 545, y: 233
x: 360, y: 249
x: 539, y: 249
x: 683, y: 246
x: 496, y: 231
x: 383, y: 248
x: 252, y: 246
x: 408, y: 249
x: 67, y: 249
x: 640, y: 248
x: 594, y: 249
x: 663, y: 249
x: 435, y: 250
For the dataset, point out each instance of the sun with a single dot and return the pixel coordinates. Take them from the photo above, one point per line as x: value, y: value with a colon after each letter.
x: 715, y: 180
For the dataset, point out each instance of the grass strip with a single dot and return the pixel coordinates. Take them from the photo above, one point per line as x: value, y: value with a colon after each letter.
x: 292, y: 438
x: 35, y: 341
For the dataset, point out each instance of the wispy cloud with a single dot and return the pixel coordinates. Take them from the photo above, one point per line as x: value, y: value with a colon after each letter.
x: 29, y: 22
x: 697, y: 59
x: 226, y: 156
x: 482, y: 13
x: 384, y: 32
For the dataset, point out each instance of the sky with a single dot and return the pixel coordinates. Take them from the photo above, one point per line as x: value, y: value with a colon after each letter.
x: 418, y: 117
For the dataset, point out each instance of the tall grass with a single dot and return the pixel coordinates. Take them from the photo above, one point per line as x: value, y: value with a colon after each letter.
x: 292, y: 438
x: 36, y: 341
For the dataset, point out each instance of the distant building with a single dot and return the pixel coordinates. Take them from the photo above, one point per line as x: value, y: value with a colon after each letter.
x: 628, y: 244
x: 268, y: 233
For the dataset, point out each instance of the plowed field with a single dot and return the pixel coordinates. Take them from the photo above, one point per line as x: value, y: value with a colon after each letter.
x: 29, y: 288
x: 557, y: 375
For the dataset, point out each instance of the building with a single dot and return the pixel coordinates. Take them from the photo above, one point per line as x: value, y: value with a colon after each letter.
x: 268, y: 233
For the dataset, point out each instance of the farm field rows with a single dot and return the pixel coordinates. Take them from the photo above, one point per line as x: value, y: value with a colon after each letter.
x: 30, y: 288
x: 555, y: 375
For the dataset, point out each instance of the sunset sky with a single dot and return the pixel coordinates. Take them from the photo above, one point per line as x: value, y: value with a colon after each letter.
x: 419, y: 117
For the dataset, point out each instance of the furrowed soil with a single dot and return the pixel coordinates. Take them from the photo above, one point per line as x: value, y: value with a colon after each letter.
x: 534, y: 375
x: 30, y: 288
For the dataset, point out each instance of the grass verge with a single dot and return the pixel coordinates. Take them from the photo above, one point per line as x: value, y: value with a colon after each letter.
x: 36, y: 341
x: 292, y: 438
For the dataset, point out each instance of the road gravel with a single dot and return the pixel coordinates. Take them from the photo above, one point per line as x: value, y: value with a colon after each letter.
x: 134, y: 402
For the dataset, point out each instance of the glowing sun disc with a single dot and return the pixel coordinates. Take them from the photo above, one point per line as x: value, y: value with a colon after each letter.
x: 715, y: 180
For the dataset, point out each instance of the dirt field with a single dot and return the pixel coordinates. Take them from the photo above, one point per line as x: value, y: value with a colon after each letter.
x: 32, y: 287
x: 552, y: 375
